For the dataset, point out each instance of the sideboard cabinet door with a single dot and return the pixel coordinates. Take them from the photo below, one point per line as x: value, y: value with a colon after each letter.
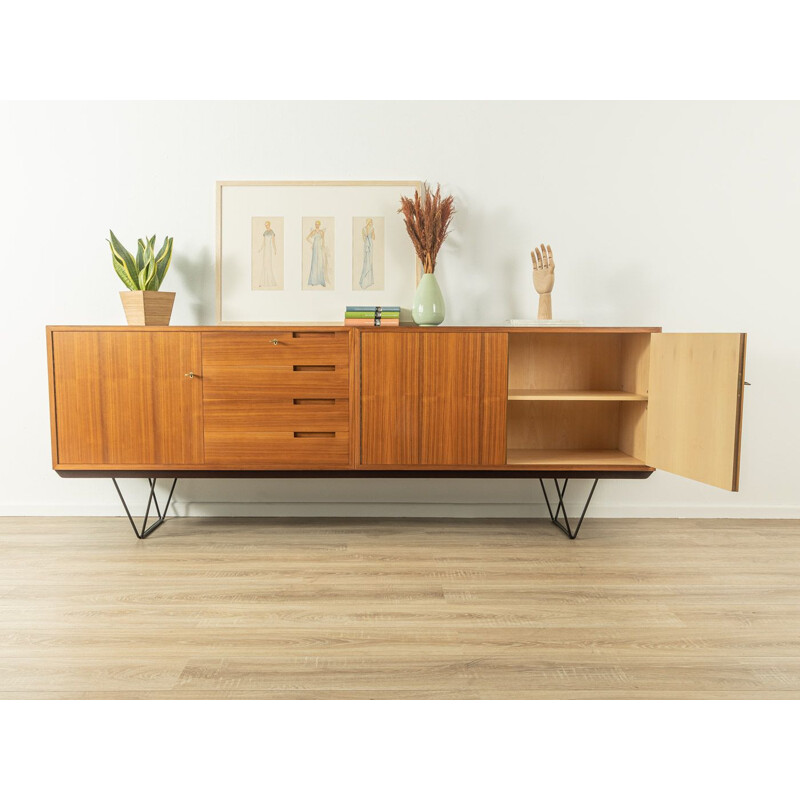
x: 390, y: 398
x: 464, y: 394
x: 694, y: 415
x: 124, y: 398
x: 433, y: 398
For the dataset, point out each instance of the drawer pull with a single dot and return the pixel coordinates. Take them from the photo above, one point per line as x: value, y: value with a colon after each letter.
x: 313, y: 367
x: 313, y: 401
x: 314, y: 434
x: 313, y: 335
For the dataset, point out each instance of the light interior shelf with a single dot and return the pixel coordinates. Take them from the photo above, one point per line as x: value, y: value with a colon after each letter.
x: 572, y: 458
x: 580, y: 394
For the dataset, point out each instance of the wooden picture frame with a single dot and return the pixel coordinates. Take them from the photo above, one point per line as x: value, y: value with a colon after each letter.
x: 303, y: 250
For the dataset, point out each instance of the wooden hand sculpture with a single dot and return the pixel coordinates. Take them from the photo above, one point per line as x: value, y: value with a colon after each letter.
x: 543, y: 279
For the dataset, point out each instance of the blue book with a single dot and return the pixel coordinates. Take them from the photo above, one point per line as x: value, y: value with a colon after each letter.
x: 372, y: 308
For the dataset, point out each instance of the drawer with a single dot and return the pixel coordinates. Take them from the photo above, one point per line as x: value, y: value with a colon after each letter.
x: 276, y: 349
x: 301, y: 414
x: 269, y: 384
x: 272, y: 449
x: 277, y: 399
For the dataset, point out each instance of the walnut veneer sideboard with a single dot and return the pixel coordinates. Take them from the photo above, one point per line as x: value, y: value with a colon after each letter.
x: 310, y: 400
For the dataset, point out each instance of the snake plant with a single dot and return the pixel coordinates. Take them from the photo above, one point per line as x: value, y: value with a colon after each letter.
x: 146, y: 271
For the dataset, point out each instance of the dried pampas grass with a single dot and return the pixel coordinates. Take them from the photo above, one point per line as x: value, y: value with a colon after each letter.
x: 427, y: 221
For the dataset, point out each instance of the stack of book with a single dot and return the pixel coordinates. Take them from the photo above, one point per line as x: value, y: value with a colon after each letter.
x: 372, y: 316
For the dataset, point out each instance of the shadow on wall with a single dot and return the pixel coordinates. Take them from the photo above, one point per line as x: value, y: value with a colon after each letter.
x: 507, y: 267
x: 486, y: 272
x: 614, y: 292
x: 196, y: 275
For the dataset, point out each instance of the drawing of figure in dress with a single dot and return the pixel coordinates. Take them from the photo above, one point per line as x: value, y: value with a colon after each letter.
x: 368, y: 236
x: 319, y: 255
x: 268, y: 249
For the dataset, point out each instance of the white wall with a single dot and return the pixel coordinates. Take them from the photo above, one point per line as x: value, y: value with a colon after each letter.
x: 683, y: 215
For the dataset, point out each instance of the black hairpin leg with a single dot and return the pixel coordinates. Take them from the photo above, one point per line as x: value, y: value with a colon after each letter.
x: 144, y: 532
x: 562, y: 509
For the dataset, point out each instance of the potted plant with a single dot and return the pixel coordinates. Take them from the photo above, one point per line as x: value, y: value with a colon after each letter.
x: 427, y: 219
x: 143, y: 275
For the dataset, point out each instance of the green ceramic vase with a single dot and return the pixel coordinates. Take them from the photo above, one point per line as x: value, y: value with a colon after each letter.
x: 428, y: 306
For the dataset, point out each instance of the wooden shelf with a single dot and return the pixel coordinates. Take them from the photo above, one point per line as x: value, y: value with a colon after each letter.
x: 569, y: 394
x: 572, y: 458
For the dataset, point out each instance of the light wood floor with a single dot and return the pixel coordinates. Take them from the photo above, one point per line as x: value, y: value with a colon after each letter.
x: 211, y: 608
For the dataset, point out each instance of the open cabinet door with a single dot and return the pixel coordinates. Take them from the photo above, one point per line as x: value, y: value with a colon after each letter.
x: 694, y: 414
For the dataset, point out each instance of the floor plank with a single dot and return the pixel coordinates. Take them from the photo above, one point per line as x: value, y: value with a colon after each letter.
x: 277, y: 608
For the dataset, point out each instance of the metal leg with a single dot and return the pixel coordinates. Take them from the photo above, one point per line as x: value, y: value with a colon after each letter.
x: 144, y: 532
x: 562, y: 509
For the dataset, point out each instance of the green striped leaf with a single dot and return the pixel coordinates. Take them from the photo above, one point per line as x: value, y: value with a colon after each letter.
x: 122, y: 272
x: 140, y: 262
x: 146, y: 276
x: 149, y: 265
x: 163, y: 259
x: 122, y: 258
x: 146, y: 270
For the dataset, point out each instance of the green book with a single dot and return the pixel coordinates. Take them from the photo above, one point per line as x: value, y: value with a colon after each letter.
x: 371, y: 314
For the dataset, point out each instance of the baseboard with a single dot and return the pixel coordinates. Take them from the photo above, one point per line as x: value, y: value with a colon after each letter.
x: 432, y: 509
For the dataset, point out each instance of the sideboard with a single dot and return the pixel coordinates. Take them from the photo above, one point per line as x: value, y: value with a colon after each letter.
x: 308, y: 400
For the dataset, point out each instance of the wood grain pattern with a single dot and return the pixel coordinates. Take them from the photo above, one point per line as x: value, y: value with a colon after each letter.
x: 433, y: 400
x: 450, y: 388
x: 634, y: 355
x: 124, y: 398
x: 634, y: 378
x: 567, y: 380
x: 354, y: 344
x: 390, y: 409
x: 580, y: 395
x: 260, y: 350
x: 147, y: 308
x: 694, y: 415
x: 254, y: 449
x: 375, y: 608
x: 632, y: 437
x: 280, y: 415
x: 567, y: 361
x: 563, y: 425
x: 494, y: 378
x: 51, y: 388
x: 271, y: 398
x: 239, y: 384
x: 573, y: 459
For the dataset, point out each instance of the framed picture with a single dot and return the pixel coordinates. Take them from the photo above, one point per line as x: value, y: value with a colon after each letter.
x: 290, y: 251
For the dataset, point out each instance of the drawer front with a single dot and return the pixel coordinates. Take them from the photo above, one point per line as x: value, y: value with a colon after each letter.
x: 268, y: 449
x: 276, y: 349
x: 276, y: 405
x: 269, y: 384
x: 287, y: 415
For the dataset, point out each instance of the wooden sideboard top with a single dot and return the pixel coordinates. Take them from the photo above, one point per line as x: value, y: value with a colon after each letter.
x: 340, y: 326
